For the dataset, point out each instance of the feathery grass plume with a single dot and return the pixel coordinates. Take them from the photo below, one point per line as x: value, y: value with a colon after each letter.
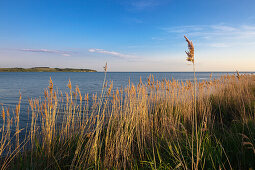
x: 237, y: 74
x: 190, y: 53
x: 50, y: 85
x: 105, y: 67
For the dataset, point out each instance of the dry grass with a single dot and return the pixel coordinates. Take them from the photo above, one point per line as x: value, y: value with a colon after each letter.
x: 150, y: 125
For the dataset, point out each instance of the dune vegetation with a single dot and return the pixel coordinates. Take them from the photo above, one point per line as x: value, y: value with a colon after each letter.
x: 151, y: 125
x: 166, y: 124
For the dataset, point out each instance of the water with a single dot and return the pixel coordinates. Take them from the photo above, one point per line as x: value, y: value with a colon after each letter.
x: 32, y: 84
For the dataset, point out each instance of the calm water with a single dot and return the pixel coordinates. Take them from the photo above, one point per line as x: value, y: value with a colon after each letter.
x: 31, y: 85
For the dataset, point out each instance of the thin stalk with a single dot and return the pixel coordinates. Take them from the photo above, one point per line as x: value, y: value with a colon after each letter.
x: 99, y: 109
x: 195, y: 114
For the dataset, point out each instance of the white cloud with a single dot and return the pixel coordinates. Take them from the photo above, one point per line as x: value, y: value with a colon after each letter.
x: 63, y: 53
x: 92, y: 50
x: 223, y: 28
x: 183, y: 29
x: 220, y: 35
x: 219, y: 45
x: 210, y: 31
x: 112, y: 53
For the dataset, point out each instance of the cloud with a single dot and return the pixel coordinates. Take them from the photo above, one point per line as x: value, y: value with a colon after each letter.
x: 219, y: 35
x: 223, y: 28
x: 219, y: 45
x: 112, y: 53
x: 63, y: 53
x: 210, y: 31
x: 183, y: 29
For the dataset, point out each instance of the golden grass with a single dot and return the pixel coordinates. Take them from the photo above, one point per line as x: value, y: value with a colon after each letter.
x: 126, y: 125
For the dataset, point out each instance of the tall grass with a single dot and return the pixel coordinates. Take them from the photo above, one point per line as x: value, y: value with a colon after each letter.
x: 150, y: 125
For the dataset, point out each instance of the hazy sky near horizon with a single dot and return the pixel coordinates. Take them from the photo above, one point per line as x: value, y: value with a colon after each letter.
x: 131, y: 35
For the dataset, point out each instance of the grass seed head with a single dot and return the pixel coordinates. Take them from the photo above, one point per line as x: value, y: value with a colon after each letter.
x: 50, y: 85
x: 105, y: 67
x: 69, y: 84
x: 190, y: 53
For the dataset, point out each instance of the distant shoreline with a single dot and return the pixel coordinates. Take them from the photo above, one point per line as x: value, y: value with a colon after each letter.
x: 45, y: 69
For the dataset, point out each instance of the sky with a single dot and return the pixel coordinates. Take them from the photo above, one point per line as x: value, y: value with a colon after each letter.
x: 130, y: 35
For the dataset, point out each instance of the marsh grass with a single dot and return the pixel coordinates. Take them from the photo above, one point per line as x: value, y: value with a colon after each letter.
x: 150, y: 125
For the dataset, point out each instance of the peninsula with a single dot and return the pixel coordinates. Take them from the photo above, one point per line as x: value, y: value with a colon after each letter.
x: 45, y: 69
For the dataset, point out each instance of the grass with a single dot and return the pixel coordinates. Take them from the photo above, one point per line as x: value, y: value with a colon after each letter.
x: 148, y: 126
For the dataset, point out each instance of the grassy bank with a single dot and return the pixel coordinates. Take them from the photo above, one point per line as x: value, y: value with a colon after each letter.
x: 153, y: 125
x: 44, y: 69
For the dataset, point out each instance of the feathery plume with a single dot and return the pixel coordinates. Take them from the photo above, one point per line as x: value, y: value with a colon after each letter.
x: 105, y: 67
x: 190, y: 53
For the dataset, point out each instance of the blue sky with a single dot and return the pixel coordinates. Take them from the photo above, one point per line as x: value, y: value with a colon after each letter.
x: 131, y: 35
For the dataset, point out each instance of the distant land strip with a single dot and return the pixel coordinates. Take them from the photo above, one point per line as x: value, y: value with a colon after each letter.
x: 45, y: 69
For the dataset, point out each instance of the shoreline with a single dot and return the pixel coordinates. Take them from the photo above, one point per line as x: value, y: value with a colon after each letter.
x: 45, y: 69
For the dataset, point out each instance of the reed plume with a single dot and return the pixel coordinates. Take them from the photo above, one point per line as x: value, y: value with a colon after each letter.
x: 190, y: 53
